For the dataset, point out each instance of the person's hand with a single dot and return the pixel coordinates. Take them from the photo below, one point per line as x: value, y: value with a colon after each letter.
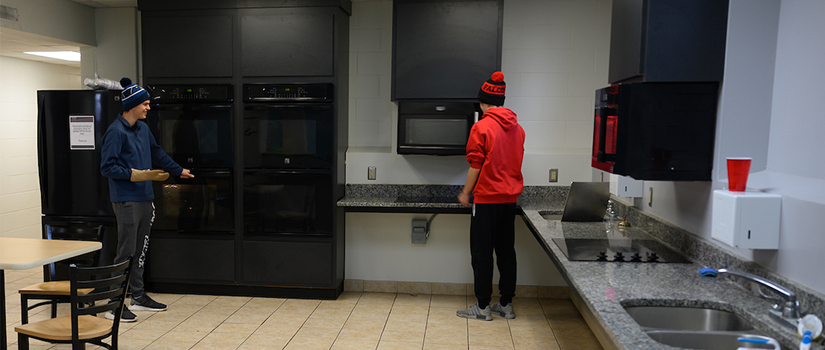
x: 148, y: 175
x: 185, y: 174
x: 464, y: 198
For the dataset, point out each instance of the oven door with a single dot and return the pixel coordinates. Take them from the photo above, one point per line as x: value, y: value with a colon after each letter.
x: 200, y: 204
x: 194, y: 135
x: 288, y: 202
x: 289, y: 136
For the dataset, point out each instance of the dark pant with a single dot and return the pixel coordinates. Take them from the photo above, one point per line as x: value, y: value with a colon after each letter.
x: 134, y: 222
x: 492, y: 228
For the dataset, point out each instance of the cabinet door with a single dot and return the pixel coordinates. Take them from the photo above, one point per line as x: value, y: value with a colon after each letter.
x: 626, y: 40
x: 287, y: 42
x: 183, y: 44
x: 191, y: 259
x: 303, y: 264
x: 444, y: 49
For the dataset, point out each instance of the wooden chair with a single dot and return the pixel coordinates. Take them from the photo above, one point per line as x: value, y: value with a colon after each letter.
x: 109, y: 285
x: 53, y: 292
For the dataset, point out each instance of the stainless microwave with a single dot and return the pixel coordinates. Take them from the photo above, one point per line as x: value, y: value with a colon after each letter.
x: 435, y: 128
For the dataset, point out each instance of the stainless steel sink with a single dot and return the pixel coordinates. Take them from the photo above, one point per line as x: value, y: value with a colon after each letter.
x: 696, y: 328
x: 706, y: 340
x: 687, y: 318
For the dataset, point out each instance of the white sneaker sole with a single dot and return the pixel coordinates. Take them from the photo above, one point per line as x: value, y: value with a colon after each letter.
x: 144, y: 308
x: 110, y: 316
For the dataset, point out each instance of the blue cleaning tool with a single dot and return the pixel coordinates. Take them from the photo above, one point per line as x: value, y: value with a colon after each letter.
x: 707, y: 272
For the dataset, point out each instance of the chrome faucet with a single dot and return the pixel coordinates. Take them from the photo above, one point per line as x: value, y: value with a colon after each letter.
x: 788, y: 312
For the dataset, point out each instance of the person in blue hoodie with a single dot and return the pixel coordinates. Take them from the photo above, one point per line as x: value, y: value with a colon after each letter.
x: 127, y: 155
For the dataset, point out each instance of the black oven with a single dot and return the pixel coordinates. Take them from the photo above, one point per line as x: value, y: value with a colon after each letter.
x: 201, y: 204
x: 193, y: 123
x: 288, y: 202
x: 435, y: 128
x: 288, y: 126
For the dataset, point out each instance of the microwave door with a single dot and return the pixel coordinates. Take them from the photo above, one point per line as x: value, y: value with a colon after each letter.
x: 607, y: 132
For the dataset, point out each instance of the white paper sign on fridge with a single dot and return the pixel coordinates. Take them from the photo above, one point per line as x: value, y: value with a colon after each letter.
x: 82, y: 132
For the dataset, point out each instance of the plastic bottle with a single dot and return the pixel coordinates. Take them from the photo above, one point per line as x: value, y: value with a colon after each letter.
x: 805, y: 344
x: 610, y: 216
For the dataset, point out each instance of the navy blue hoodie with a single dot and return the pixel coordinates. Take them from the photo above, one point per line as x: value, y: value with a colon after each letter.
x: 127, y: 147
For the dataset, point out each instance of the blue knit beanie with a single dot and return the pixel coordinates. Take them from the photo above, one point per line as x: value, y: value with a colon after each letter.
x: 132, y: 94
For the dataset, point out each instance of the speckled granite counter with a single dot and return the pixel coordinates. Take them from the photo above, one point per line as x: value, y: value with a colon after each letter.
x: 606, y: 287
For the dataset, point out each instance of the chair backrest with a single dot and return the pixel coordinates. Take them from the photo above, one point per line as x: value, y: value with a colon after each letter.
x: 110, y: 284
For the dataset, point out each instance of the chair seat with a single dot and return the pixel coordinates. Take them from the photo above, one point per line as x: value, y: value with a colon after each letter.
x: 52, y: 288
x: 61, y: 328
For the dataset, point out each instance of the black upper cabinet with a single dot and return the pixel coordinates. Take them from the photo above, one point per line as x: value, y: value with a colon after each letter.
x: 444, y: 50
x: 187, y: 44
x: 287, y: 42
x: 667, y: 40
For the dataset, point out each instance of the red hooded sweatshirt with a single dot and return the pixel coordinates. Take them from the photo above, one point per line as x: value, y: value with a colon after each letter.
x: 496, y: 146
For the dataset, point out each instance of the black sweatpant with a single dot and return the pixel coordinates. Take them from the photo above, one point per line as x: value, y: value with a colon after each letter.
x: 492, y: 229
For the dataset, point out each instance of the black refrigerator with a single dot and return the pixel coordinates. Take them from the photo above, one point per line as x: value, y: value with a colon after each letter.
x: 74, y: 195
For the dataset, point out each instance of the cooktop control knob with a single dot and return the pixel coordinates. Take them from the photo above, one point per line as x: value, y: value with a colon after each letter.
x: 652, y: 257
x: 636, y: 257
x: 618, y: 257
x: 601, y: 256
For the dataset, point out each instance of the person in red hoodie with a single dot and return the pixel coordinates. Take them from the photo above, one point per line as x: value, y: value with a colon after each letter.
x: 495, y: 150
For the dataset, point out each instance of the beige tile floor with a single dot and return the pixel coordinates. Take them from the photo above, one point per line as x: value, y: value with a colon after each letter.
x: 357, y: 320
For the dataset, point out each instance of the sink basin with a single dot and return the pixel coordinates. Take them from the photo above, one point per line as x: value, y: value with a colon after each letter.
x: 549, y: 215
x: 706, y: 340
x: 687, y: 318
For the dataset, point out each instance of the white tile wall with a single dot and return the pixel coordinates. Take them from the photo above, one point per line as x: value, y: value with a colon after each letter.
x: 554, y: 58
x: 19, y: 186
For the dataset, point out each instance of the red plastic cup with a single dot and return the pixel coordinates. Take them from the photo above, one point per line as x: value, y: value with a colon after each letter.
x: 738, y: 169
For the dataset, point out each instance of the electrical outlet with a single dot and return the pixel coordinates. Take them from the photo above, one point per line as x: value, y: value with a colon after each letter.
x: 554, y: 175
x: 650, y: 197
x: 371, y: 173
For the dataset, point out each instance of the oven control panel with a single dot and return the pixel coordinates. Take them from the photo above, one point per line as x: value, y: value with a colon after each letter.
x: 190, y: 93
x: 288, y: 92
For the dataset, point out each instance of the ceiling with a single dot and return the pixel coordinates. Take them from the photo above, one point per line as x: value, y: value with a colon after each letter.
x: 13, y: 42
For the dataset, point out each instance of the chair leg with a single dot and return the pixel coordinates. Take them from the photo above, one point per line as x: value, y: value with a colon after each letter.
x: 24, y: 309
x: 22, y: 341
x: 54, y: 309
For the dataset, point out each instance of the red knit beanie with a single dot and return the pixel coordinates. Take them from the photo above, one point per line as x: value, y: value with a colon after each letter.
x: 492, y: 91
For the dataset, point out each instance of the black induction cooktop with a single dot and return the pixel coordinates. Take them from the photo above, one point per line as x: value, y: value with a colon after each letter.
x: 618, y: 250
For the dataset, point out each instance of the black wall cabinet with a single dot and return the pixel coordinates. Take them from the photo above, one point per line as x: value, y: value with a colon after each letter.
x: 287, y: 42
x: 444, y: 50
x: 667, y: 40
x: 187, y: 44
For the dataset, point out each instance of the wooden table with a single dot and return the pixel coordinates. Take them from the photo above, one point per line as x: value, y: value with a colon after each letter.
x: 27, y: 253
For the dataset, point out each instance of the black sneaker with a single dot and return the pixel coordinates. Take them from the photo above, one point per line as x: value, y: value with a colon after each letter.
x: 125, y: 316
x: 145, y: 303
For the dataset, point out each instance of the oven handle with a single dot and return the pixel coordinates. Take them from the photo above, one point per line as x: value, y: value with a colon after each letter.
x: 285, y: 106
x: 194, y: 107
x: 209, y: 172
x: 288, y: 171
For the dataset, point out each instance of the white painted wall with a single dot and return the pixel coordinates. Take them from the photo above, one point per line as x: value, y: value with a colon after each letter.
x: 116, y: 35
x: 59, y: 19
x: 19, y: 184
x: 555, y: 55
x: 769, y: 111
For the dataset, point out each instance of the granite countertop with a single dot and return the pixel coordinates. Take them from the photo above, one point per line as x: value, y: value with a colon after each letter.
x: 606, y: 287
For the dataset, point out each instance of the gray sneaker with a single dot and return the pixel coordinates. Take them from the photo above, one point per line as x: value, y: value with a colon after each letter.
x: 503, y: 311
x: 476, y: 313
